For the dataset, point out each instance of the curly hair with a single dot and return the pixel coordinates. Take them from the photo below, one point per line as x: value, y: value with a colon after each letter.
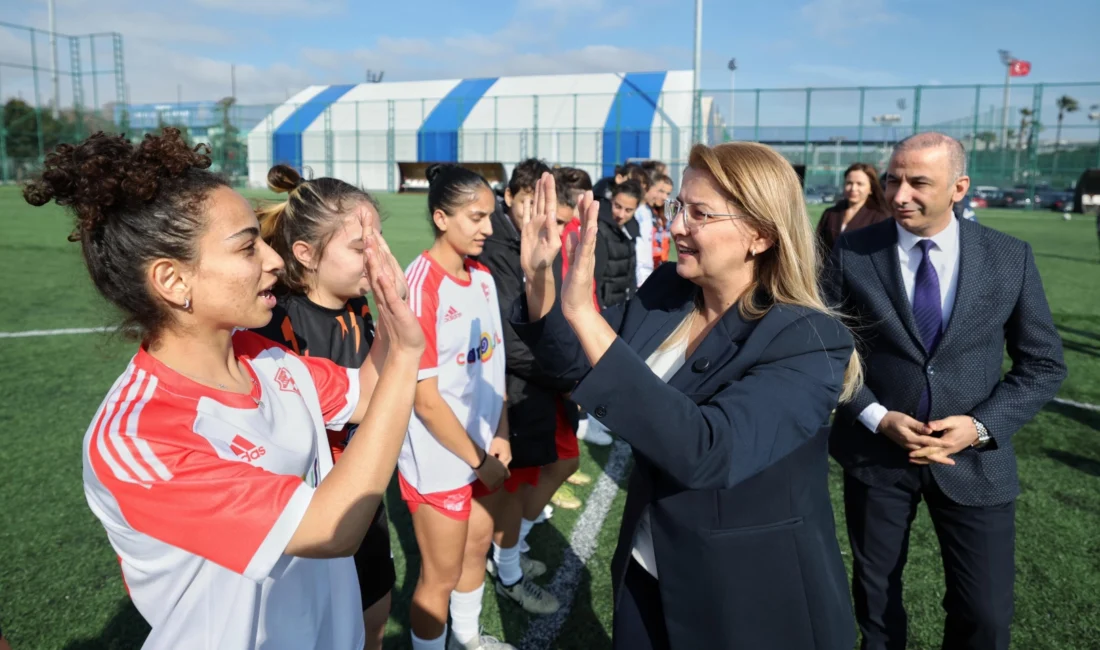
x: 133, y: 204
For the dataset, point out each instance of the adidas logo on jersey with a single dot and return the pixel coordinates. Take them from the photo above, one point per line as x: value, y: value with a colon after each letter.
x: 245, y: 450
x: 451, y: 314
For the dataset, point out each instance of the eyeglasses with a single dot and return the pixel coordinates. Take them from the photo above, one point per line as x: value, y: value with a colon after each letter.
x: 694, y: 218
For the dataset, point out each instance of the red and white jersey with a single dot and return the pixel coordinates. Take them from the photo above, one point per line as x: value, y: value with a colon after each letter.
x: 465, y: 351
x: 200, y: 491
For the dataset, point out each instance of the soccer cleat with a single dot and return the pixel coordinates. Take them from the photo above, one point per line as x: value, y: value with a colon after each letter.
x: 564, y: 498
x: 531, y: 567
x: 531, y: 597
x: 480, y: 642
x: 579, y: 478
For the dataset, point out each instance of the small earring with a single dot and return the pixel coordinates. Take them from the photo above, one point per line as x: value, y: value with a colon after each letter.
x: 187, y: 304
x: 752, y: 252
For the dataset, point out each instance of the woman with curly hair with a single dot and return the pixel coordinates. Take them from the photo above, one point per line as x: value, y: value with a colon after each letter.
x: 208, y: 463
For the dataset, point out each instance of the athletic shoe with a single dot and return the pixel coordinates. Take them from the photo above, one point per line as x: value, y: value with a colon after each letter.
x: 564, y: 498
x: 480, y: 642
x: 546, y: 514
x: 579, y: 478
x: 531, y: 597
x: 593, y: 434
x: 531, y: 567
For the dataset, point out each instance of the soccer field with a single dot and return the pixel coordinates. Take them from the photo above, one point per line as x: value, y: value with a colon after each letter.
x: 60, y: 585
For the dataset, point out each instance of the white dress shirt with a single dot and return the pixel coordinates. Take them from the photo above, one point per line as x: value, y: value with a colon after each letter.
x: 944, y: 254
x: 664, y: 363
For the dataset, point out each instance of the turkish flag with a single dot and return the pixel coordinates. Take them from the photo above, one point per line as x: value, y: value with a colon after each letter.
x: 1019, y: 68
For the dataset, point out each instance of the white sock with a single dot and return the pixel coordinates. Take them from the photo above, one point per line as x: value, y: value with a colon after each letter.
x: 433, y: 644
x: 507, y: 561
x: 525, y: 529
x: 466, y: 614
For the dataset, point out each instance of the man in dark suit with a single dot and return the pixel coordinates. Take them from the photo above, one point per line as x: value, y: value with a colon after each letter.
x: 935, y: 302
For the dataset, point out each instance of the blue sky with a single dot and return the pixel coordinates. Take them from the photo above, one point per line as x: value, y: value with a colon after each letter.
x: 280, y: 46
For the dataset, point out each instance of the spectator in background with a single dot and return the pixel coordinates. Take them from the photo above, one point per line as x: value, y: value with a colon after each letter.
x: 603, y: 188
x: 656, y: 194
x: 4, y: 641
x: 863, y: 204
x: 662, y: 236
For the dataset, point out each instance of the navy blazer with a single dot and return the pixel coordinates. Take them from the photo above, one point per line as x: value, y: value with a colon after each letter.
x: 999, y: 306
x: 730, y: 456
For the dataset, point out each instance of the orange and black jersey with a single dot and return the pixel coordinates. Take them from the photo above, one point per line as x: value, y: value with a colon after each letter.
x: 340, y: 335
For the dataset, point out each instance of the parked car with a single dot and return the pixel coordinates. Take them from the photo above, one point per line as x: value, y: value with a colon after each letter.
x: 814, y: 197
x: 1058, y: 201
x: 1014, y: 199
x: 978, y: 202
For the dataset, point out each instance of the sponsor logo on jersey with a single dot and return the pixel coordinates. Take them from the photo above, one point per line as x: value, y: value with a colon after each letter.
x: 483, y: 351
x: 452, y: 314
x: 245, y: 450
x: 286, y: 381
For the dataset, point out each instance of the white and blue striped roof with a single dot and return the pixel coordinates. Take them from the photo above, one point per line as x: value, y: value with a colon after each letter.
x: 593, y: 120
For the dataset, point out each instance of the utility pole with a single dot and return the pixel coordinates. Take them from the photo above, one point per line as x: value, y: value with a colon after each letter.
x: 697, y: 99
x: 733, y: 95
x: 233, y: 80
x: 53, y: 61
x: 1006, y: 59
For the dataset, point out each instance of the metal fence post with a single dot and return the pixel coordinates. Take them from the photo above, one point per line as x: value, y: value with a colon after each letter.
x: 1033, y: 143
x: 496, y: 129
x: 756, y: 127
x: 806, y: 142
x: 535, y: 122
x: 916, y: 109
x: 974, y: 130
x: 574, y: 129
x: 859, y: 145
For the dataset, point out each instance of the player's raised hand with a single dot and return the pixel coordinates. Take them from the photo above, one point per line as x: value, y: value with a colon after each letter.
x: 396, y: 321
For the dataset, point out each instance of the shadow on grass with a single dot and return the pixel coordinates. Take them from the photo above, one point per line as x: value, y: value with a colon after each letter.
x: 1079, y: 332
x: 126, y: 630
x: 1086, y: 417
x: 1068, y: 258
x: 1090, y: 466
x: 1082, y: 348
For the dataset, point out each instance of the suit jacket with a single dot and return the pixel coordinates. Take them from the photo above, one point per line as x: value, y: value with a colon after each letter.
x: 828, y: 228
x: 999, y: 303
x: 730, y: 456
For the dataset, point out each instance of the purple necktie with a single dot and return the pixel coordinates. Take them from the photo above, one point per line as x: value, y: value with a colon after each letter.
x: 928, y: 314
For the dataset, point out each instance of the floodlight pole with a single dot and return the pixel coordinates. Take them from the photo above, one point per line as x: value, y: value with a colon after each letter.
x: 697, y: 99
x: 1006, y: 59
x: 53, y: 61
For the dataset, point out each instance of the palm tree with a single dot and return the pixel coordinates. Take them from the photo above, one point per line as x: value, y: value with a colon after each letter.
x: 1025, y: 122
x: 987, y: 138
x: 1065, y: 104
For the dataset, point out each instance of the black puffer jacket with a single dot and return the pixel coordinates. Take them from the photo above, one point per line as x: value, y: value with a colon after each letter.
x: 532, y: 393
x: 616, y: 275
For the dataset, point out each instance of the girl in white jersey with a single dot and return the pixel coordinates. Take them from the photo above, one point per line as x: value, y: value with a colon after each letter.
x: 457, y: 451
x: 208, y: 462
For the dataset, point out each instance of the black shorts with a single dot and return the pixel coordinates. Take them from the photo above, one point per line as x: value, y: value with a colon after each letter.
x: 374, y: 561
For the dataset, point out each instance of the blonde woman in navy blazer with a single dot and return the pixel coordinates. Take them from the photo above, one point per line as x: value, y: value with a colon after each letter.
x: 721, y: 374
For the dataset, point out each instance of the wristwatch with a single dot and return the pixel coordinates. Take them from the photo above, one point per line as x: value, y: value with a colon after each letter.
x: 983, y: 434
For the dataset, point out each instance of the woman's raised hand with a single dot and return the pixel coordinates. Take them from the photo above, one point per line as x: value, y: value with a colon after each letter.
x: 576, y: 291
x: 540, y: 239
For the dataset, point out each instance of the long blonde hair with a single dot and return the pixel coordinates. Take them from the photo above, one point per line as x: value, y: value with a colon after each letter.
x: 763, y: 185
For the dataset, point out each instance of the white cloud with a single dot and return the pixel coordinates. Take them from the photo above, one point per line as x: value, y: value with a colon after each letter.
x: 841, y: 19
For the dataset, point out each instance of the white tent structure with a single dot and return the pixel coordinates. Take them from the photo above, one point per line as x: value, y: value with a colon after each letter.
x: 359, y: 133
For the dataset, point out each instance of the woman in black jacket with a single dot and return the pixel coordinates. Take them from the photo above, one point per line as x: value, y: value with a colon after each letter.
x: 721, y: 375
x: 615, y: 272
